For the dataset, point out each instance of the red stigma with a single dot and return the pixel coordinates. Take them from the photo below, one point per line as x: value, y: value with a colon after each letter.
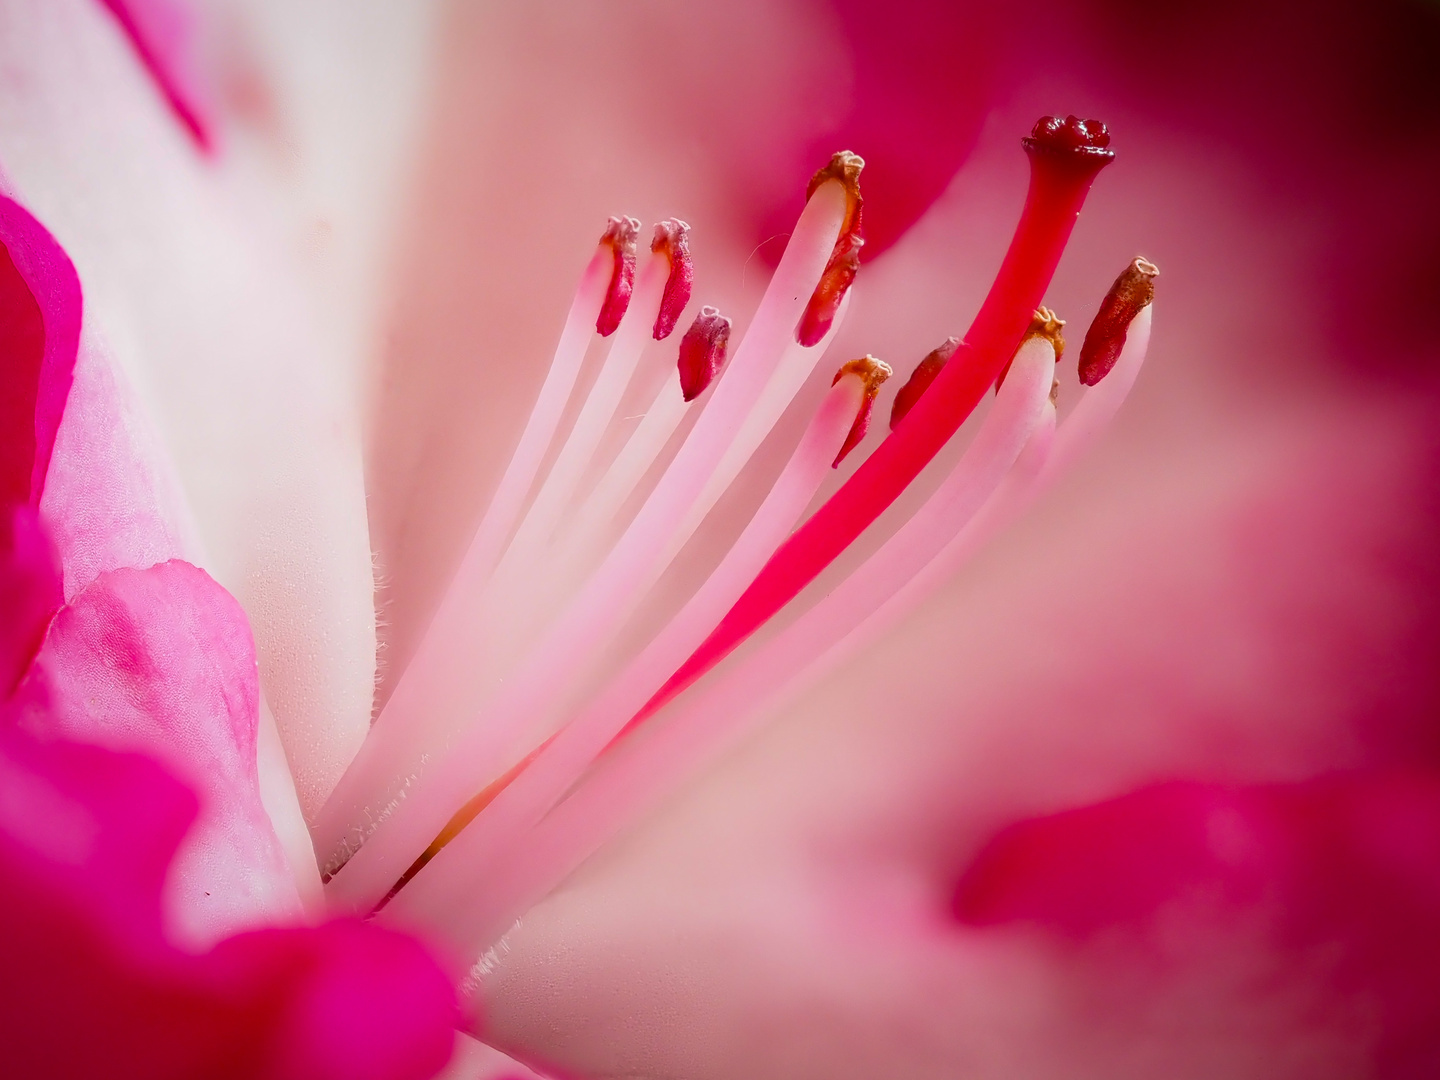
x: 620, y: 236
x: 702, y: 351
x: 844, y: 261
x: 1133, y: 290
x: 1069, y: 136
x: 672, y: 239
x: 872, y: 373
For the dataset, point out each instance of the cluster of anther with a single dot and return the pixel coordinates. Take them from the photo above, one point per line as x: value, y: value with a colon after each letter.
x: 1065, y: 156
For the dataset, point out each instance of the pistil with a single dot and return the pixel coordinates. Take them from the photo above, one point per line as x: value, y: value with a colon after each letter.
x: 1065, y: 156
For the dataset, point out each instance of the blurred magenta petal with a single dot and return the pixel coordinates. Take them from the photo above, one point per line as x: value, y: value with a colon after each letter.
x: 163, y: 34
x: 91, y: 988
x: 925, y: 73
x: 30, y: 592
x: 1349, y: 865
x: 360, y: 1003
x: 161, y: 661
x: 40, y: 327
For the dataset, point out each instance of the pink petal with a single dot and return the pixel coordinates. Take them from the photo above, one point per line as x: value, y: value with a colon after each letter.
x: 161, y: 660
x: 111, y: 499
x: 202, y: 278
x: 39, y: 333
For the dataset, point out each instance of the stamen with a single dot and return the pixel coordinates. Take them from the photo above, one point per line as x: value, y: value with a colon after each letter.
x: 550, y: 501
x: 872, y: 374
x: 1060, y: 178
x: 534, y: 861
x: 620, y: 236
x: 504, y: 816
x: 844, y: 261
x: 702, y: 351
x: 672, y: 239
x: 427, y: 690
x: 1098, y: 404
x: 482, y: 740
x: 1132, y: 291
x: 920, y: 380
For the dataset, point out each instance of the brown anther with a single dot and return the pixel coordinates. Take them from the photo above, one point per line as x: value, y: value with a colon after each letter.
x: 920, y: 380
x: 846, y: 167
x: 1133, y: 290
x: 844, y: 261
x: 702, y: 351
x: 872, y: 373
x: 672, y: 239
x: 1044, y: 323
x: 620, y: 236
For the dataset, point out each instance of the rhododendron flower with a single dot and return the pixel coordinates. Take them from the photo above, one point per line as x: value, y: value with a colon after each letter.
x: 745, y: 705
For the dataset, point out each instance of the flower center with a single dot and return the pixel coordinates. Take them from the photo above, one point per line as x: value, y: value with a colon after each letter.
x: 506, y: 753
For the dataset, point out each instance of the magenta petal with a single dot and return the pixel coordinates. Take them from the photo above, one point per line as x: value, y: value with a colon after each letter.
x: 358, y: 1002
x: 1120, y: 861
x: 162, y: 661
x: 163, y: 32
x: 925, y: 75
x: 40, y: 306
x: 91, y: 988
x: 1344, y: 868
x: 61, y: 836
x: 30, y: 592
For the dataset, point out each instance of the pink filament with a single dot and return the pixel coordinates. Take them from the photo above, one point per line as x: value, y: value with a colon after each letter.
x: 1057, y: 192
x: 536, y: 862
x: 448, y: 884
x: 433, y: 687
x: 600, y: 405
x: 565, y: 651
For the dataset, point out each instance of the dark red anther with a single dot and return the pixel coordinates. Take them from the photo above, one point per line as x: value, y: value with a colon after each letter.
x: 620, y: 236
x: 1044, y: 324
x: 1132, y: 292
x: 844, y: 261
x: 672, y: 239
x: 921, y: 378
x: 1060, y: 178
x: 702, y: 351
x: 872, y: 373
